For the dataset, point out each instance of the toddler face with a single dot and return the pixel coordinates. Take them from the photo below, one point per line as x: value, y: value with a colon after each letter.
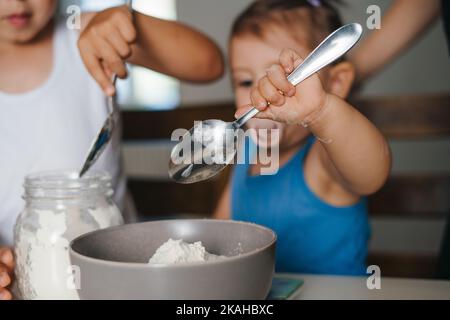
x: 21, y: 21
x: 250, y: 57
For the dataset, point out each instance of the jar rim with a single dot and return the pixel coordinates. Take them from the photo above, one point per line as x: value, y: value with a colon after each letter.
x: 65, y: 184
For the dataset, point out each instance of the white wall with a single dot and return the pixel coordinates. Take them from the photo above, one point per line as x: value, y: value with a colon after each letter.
x: 424, y: 69
x: 214, y: 17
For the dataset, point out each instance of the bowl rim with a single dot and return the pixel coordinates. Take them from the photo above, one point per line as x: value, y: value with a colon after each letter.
x: 143, y: 265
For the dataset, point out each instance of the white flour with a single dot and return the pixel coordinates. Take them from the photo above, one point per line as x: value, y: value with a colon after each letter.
x: 42, y: 252
x: 43, y: 259
x: 179, y: 251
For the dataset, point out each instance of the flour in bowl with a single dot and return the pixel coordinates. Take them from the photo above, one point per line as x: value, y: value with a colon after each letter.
x: 179, y: 251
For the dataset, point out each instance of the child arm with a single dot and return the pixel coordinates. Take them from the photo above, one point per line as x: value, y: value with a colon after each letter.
x: 354, y: 153
x: 114, y: 36
x: 185, y: 54
x: 402, y: 25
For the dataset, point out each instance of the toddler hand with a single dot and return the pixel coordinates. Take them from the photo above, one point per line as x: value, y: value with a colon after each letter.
x: 6, y: 272
x: 105, y: 43
x: 279, y: 100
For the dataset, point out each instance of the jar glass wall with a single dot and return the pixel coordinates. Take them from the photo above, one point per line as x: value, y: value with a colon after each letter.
x: 59, y: 207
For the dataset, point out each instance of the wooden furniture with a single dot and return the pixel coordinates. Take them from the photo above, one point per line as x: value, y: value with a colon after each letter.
x: 418, y: 196
x: 403, y: 196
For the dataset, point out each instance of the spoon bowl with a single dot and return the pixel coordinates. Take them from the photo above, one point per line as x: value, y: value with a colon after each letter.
x: 204, y: 151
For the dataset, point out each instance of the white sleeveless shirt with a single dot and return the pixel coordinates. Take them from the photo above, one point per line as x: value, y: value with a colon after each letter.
x: 51, y: 128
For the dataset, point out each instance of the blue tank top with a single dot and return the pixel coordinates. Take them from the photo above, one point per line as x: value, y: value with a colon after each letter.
x: 312, y: 236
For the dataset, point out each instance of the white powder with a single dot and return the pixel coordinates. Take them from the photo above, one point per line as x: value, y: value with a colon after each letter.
x: 42, y: 252
x: 203, y: 134
x: 43, y: 259
x: 179, y: 251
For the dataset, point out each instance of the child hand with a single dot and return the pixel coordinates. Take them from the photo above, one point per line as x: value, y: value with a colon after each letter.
x: 280, y: 101
x: 6, y: 272
x: 105, y: 43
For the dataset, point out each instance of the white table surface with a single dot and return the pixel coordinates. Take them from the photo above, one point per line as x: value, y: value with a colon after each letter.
x: 355, y: 288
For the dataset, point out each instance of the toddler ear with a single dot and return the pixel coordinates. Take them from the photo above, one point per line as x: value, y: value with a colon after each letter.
x: 340, y: 79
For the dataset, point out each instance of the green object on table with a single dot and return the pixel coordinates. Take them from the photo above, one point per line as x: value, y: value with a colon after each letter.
x: 283, y: 288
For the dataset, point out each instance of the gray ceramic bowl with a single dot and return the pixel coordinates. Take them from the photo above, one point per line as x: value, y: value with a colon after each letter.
x: 113, y: 262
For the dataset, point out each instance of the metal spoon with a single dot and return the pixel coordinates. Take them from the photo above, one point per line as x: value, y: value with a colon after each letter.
x: 106, y: 132
x: 210, y: 145
x: 103, y: 137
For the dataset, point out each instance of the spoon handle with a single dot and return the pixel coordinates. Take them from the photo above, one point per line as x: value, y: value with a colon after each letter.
x: 245, y: 117
x: 332, y: 48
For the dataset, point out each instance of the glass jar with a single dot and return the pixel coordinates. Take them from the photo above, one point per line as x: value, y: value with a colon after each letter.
x: 58, y: 208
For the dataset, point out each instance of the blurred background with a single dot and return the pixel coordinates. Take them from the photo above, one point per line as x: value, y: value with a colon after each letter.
x: 429, y: 59
x: 406, y: 241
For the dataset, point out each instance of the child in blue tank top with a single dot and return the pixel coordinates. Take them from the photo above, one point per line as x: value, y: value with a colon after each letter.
x: 328, y: 155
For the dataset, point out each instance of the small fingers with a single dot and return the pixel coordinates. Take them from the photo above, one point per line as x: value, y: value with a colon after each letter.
x: 111, y: 58
x: 120, y: 45
x: 267, y: 114
x: 5, y: 294
x: 94, y: 66
x: 5, y: 279
x: 126, y: 27
x: 289, y: 60
x: 270, y: 93
x: 257, y: 99
x: 108, y: 71
x: 7, y: 258
x: 277, y: 77
x: 129, y: 33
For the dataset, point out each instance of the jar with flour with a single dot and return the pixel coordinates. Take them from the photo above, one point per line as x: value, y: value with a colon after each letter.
x: 58, y: 208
